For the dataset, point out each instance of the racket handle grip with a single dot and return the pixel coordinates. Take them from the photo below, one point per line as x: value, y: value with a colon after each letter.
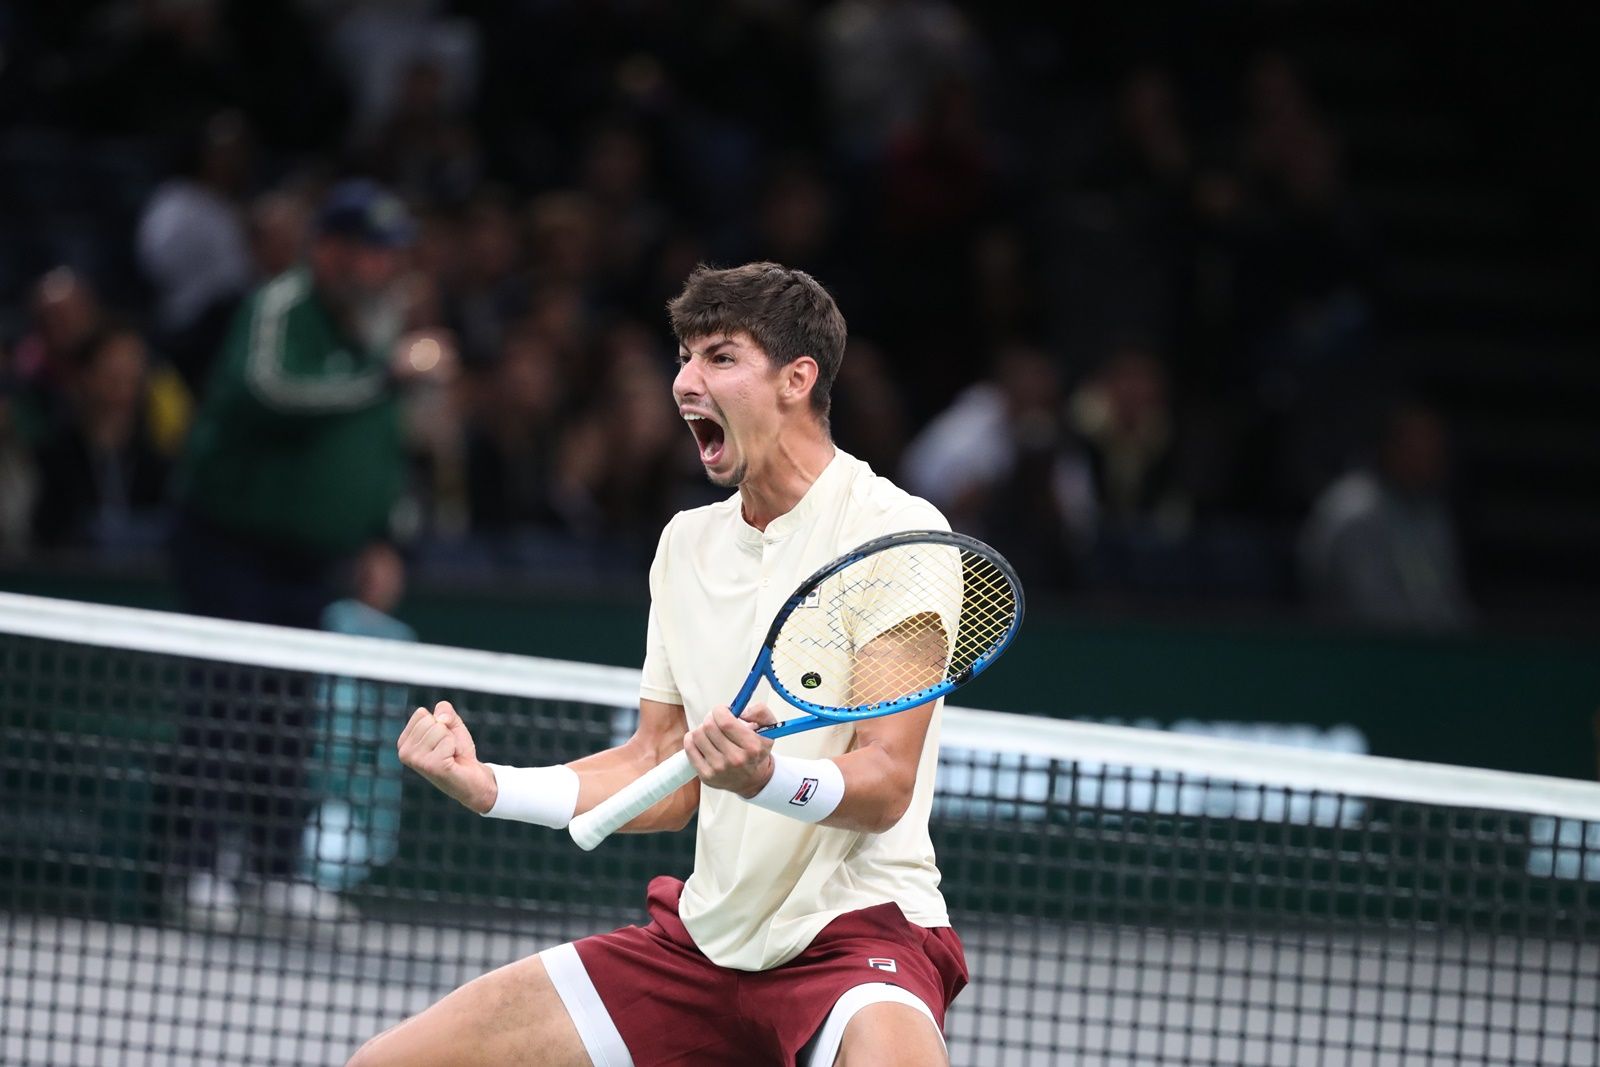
x: 633, y: 800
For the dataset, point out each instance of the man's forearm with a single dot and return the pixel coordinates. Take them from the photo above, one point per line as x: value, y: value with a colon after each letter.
x: 605, y: 773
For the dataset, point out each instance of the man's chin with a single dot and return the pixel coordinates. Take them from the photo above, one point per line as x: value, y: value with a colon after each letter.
x: 726, y: 479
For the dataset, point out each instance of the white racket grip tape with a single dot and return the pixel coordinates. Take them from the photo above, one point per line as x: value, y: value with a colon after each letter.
x: 633, y: 800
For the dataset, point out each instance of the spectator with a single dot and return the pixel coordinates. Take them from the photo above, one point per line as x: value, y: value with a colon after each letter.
x: 1307, y: 250
x: 937, y: 182
x: 564, y: 320
x: 617, y: 179
x: 1005, y: 290
x: 513, y: 438
x: 1121, y: 218
x: 1123, y: 416
x: 296, y: 459
x: 279, y: 225
x: 879, y: 59
x: 375, y: 43
x: 295, y: 464
x: 869, y: 418
x: 621, y: 464
x: 422, y: 148
x: 1000, y: 463
x: 797, y: 223
x: 102, y: 477
x: 354, y: 767
x: 1151, y: 148
x: 1380, y: 545
x: 66, y: 314
x: 564, y: 234
x: 193, y: 245
x: 487, y: 289
x: 434, y: 416
x: 18, y: 480
x: 795, y: 220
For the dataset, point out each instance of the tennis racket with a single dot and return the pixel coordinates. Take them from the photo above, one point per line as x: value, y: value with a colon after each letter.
x: 898, y: 622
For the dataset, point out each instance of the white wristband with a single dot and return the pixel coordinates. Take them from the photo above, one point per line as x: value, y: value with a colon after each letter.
x: 544, y: 795
x: 804, y: 789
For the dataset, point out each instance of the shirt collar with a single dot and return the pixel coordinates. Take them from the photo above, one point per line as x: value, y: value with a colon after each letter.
x: 826, y: 485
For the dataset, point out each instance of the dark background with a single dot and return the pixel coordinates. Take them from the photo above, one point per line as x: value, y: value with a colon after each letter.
x: 1298, y: 214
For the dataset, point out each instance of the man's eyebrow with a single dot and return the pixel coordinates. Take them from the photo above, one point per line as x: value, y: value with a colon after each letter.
x: 710, y: 349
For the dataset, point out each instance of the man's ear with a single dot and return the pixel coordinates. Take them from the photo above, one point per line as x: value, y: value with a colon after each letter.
x: 799, y: 378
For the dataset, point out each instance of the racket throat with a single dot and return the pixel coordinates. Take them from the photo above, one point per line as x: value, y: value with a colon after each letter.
x: 758, y: 671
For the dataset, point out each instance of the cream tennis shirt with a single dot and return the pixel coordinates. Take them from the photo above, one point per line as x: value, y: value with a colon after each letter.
x: 763, y: 884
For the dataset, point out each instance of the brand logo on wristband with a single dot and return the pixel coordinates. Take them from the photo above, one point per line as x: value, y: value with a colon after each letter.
x: 803, y: 795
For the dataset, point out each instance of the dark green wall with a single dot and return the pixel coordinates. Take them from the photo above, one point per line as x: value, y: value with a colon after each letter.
x: 1513, y: 703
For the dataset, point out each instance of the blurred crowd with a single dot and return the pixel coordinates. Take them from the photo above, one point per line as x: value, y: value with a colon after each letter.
x: 1110, y: 311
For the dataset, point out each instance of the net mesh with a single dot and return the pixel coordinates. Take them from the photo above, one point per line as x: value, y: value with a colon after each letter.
x: 1112, y: 913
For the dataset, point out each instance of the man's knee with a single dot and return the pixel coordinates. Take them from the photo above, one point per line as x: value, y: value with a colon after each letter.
x: 890, y: 1034
x: 366, y: 1056
x: 375, y: 1052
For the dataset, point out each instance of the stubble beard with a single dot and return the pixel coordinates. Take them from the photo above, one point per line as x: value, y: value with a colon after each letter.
x: 732, y: 480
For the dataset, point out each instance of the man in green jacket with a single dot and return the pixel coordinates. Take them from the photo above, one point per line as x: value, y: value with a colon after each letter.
x: 294, y: 464
x: 296, y: 457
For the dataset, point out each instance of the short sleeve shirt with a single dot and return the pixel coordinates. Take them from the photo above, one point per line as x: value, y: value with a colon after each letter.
x: 763, y: 884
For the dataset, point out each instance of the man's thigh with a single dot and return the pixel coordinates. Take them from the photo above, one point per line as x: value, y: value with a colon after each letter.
x: 511, y: 1017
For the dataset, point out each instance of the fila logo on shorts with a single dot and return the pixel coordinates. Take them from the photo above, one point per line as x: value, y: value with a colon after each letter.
x: 803, y: 795
x: 879, y: 963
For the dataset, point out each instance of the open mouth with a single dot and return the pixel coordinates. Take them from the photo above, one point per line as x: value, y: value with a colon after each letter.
x: 709, y: 435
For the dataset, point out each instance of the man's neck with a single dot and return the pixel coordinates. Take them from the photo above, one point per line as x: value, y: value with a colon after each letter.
x: 796, y: 464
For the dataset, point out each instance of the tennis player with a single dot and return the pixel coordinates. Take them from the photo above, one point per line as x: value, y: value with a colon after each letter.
x: 811, y: 930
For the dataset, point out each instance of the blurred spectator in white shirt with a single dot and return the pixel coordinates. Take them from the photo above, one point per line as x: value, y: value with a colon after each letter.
x: 193, y: 245
x: 1001, y: 464
x: 192, y: 240
x: 1380, y: 545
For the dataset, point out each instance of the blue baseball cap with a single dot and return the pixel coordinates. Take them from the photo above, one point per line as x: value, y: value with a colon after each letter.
x: 362, y: 210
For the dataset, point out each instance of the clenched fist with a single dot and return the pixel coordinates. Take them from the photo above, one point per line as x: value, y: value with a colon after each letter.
x: 437, y: 745
x: 727, y: 753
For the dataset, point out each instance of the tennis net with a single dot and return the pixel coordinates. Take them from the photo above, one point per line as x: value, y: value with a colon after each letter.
x: 1125, y: 896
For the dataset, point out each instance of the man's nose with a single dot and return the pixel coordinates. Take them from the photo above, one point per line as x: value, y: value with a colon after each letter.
x: 686, y: 383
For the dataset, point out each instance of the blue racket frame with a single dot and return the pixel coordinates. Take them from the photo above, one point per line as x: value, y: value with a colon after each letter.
x: 825, y: 715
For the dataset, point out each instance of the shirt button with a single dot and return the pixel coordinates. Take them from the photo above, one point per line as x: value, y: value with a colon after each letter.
x: 764, y: 582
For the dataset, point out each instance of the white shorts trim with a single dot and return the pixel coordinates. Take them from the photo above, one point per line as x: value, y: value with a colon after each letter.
x: 824, y: 1048
x: 601, y: 1040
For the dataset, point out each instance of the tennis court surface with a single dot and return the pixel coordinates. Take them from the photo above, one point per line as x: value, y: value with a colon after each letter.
x: 1126, y: 897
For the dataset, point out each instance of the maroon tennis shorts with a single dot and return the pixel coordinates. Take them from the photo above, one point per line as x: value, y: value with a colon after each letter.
x: 675, y: 1007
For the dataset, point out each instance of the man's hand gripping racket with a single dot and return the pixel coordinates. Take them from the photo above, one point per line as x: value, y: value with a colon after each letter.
x: 898, y: 622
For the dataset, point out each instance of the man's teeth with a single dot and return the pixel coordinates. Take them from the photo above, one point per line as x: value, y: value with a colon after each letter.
x: 693, y: 418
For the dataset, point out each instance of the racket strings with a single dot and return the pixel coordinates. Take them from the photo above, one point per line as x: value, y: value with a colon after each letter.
x: 895, y: 623
x: 988, y: 610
